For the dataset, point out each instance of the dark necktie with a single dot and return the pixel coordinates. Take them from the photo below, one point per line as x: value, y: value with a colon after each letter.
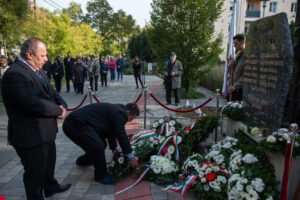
x: 41, y: 77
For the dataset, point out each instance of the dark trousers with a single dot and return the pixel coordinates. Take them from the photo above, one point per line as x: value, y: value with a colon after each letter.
x: 112, y: 74
x: 94, y: 146
x: 39, y: 165
x: 68, y: 84
x: 57, y: 81
x: 168, y: 83
x: 80, y: 88
x: 120, y: 74
x: 138, y: 76
x: 94, y: 79
x: 104, y: 79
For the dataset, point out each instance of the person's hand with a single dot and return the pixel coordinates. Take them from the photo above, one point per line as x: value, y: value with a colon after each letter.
x: 63, y: 114
x: 134, y: 161
x: 173, y: 74
x: 166, y: 73
x: 231, y: 89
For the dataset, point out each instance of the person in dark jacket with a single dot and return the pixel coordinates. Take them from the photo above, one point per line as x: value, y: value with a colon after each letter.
x: 104, y: 71
x: 79, y: 71
x: 137, y: 71
x: 89, y: 127
x: 47, y: 68
x: 120, y: 67
x: 33, y: 107
x: 57, y: 71
x: 69, y: 63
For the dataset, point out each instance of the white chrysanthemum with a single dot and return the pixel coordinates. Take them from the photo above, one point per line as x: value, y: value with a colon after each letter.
x: 229, y: 103
x: 112, y: 163
x: 172, y: 123
x: 255, y: 131
x: 270, y: 198
x: 219, y: 158
x: 285, y: 136
x: 168, y: 156
x: 162, y: 139
x: 179, y: 139
x: 240, y: 106
x: 156, y: 170
x: 251, y: 195
x: 121, y: 160
x: 171, y: 149
x: 258, y: 184
x: 227, y: 145
x: 206, y: 187
x: 161, y: 121
x: 280, y: 139
x: 249, y: 158
x: 203, y: 180
x: 249, y: 187
x: 235, y: 105
x: 172, y: 129
x: 271, y: 139
x: 155, y: 142
x: 155, y: 124
x: 222, y: 179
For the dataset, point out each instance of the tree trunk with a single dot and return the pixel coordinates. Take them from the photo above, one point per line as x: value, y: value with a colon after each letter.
x: 294, y: 94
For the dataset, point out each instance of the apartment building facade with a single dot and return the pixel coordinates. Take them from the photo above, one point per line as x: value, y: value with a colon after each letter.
x: 248, y: 11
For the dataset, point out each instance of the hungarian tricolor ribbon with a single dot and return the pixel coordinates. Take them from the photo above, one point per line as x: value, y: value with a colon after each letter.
x: 165, y: 126
x: 175, y: 187
x: 189, y: 127
x: 188, y: 184
x: 163, y: 145
x: 135, y: 183
x: 176, y: 148
x: 143, y: 135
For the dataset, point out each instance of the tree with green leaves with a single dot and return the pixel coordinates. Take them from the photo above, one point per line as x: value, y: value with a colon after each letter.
x: 12, y: 15
x: 112, y: 26
x: 186, y: 27
x: 74, y: 11
x: 139, y: 46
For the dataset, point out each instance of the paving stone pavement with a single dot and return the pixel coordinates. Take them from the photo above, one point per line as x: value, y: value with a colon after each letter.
x: 83, y: 185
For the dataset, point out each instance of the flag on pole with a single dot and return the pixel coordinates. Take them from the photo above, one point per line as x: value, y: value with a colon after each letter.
x: 230, y: 51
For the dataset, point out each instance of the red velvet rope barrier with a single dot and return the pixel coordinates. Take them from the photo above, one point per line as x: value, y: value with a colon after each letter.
x: 285, y: 176
x: 139, y: 97
x: 98, y: 101
x: 72, y: 109
x: 183, y: 111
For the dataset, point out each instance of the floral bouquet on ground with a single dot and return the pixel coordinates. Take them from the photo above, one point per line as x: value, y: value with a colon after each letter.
x: 233, y: 110
x: 119, y: 166
x: 145, y: 143
x: 162, y: 170
x: 166, y: 126
x: 276, y: 142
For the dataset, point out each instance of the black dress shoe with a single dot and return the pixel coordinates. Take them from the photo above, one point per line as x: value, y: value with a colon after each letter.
x: 57, y: 189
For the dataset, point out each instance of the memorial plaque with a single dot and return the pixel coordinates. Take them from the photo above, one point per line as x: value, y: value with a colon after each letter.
x: 269, y: 58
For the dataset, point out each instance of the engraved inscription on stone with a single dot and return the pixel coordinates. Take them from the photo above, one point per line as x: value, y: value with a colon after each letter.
x: 267, y: 69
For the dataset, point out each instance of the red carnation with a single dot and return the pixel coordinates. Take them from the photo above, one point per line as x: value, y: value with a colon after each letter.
x: 210, y: 176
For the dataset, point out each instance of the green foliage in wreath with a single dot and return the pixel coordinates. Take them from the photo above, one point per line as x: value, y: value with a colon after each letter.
x: 234, y: 111
x: 119, y: 167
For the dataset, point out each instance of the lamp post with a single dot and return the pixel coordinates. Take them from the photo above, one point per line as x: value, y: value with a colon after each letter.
x: 264, y: 6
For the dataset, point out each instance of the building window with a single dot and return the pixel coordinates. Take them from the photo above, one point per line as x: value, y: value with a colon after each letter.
x: 250, y: 7
x: 273, y: 7
x: 231, y: 5
x: 293, y: 7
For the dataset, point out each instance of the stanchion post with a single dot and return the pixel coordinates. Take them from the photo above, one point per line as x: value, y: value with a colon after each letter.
x: 145, y: 106
x: 217, y: 112
x: 90, y: 94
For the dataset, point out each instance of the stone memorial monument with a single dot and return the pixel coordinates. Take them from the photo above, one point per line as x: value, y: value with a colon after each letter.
x: 268, y: 62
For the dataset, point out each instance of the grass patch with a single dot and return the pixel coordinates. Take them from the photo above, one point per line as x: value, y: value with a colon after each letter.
x: 192, y: 94
x: 193, y: 115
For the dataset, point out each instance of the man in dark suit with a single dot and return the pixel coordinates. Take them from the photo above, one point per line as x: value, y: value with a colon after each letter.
x: 90, y: 127
x: 33, y: 108
x: 69, y: 63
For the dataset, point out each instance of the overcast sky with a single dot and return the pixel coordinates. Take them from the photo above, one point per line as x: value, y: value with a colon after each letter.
x: 139, y: 9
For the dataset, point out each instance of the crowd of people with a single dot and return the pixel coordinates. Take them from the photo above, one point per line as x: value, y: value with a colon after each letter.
x: 79, y: 69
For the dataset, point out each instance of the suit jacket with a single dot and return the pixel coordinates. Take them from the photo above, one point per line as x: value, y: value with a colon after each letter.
x: 68, y: 67
x: 238, y: 67
x: 108, y: 121
x: 31, y: 106
x: 178, y: 69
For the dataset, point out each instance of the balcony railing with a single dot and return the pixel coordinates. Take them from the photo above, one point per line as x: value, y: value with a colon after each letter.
x: 253, y: 14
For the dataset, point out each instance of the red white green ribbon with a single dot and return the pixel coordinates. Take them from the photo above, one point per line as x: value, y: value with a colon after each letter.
x: 143, y: 135
x: 188, y: 184
x: 176, y: 148
x: 173, y: 187
x: 135, y: 183
x: 163, y: 145
x: 189, y: 127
